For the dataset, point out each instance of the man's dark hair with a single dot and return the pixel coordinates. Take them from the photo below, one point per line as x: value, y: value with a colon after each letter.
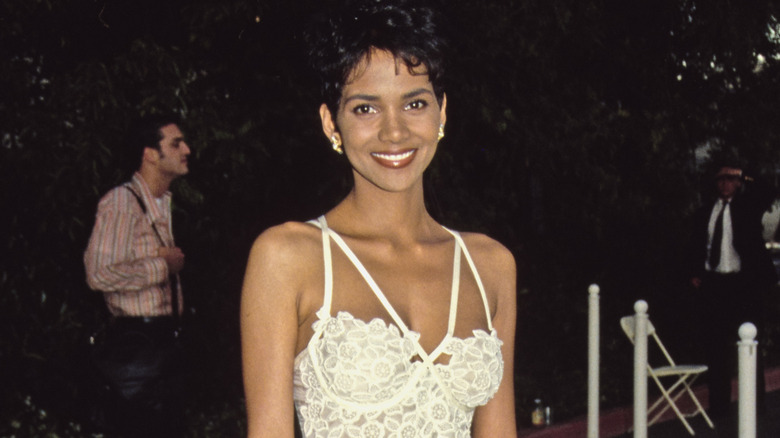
x: 409, y: 29
x: 145, y: 132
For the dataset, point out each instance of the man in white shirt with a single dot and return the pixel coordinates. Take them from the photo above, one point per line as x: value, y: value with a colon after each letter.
x: 731, y: 273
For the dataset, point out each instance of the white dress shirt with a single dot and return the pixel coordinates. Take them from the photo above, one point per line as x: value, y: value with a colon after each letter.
x: 729, y: 259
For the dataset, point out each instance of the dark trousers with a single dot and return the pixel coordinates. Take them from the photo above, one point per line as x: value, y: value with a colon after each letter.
x: 140, y: 359
x: 727, y: 301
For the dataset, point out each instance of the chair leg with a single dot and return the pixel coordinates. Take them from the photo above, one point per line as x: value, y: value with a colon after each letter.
x: 699, y: 408
x: 674, y: 406
x: 674, y: 394
x: 656, y: 415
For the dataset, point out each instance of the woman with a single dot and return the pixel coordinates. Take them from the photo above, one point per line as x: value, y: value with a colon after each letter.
x: 374, y: 320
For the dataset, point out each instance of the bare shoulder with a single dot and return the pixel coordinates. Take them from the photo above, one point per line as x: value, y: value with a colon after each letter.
x: 487, y: 251
x: 495, y: 264
x: 283, y: 255
x: 290, y: 239
x: 280, y: 268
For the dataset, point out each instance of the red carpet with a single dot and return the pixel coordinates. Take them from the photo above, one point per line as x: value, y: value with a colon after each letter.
x: 618, y: 421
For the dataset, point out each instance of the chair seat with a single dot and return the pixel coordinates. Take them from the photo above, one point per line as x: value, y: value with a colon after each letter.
x: 677, y: 370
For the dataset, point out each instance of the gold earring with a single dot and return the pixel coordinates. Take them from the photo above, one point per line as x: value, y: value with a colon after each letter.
x: 336, y: 143
x: 441, y: 131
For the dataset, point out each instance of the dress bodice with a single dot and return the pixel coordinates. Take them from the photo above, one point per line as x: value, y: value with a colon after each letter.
x: 373, y: 379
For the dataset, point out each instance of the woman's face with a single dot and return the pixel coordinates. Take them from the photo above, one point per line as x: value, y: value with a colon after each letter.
x: 388, y: 121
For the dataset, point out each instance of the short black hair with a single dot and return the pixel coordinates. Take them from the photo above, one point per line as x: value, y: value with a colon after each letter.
x: 411, y: 30
x: 145, y: 132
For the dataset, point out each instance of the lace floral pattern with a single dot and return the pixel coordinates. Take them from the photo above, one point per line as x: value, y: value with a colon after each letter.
x: 358, y: 379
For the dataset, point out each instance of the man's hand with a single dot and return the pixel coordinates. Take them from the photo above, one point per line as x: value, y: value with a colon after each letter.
x: 174, y: 257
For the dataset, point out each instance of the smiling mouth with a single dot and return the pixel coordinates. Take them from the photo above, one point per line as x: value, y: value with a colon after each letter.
x: 394, y: 161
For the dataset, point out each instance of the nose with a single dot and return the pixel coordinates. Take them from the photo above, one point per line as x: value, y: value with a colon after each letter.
x: 186, y: 148
x: 393, y: 129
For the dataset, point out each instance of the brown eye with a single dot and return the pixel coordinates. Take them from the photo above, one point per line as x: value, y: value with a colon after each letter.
x: 417, y: 104
x: 363, y: 109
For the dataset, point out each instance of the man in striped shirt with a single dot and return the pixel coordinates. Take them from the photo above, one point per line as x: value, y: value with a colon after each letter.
x: 132, y: 259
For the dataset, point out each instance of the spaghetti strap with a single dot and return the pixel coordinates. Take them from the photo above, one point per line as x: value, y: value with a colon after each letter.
x: 427, y: 358
x: 370, y: 280
x: 476, y: 276
x: 389, y: 307
x: 353, y: 370
x: 460, y: 246
x: 327, y: 298
x: 455, y: 290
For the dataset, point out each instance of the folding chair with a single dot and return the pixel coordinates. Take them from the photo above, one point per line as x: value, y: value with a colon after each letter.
x: 685, y: 374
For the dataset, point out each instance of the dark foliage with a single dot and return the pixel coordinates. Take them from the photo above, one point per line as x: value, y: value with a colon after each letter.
x: 572, y: 138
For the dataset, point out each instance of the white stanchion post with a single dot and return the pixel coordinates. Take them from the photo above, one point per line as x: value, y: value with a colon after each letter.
x: 640, y: 370
x: 747, y: 352
x: 593, y: 361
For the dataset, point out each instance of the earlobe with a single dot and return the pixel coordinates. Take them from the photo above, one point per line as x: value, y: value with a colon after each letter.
x: 328, y: 125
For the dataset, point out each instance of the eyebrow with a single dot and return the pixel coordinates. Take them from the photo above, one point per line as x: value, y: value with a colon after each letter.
x: 368, y: 97
x: 373, y: 98
x: 417, y: 92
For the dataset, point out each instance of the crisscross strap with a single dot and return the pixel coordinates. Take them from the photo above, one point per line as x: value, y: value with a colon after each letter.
x: 324, y: 313
x: 428, y: 359
x: 460, y: 246
x: 381, y: 296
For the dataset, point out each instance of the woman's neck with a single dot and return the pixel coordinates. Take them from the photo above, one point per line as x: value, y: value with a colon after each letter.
x: 374, y: 212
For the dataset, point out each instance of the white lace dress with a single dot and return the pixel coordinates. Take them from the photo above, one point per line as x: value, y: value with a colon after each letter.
x: 361, y: 379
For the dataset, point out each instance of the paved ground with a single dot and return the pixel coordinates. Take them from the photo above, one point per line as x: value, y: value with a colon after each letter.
x: 615, y: 423
x: 768, y: 424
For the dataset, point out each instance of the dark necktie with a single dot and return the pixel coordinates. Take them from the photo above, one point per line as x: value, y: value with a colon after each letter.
x: 717, y: 238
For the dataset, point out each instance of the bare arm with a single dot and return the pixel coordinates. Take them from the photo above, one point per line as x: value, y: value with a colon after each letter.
x: 269, y: 330
x: 497, y: 418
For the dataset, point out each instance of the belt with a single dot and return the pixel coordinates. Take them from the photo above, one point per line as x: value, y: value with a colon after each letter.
x: 163, y: 323
x: 143, y: 319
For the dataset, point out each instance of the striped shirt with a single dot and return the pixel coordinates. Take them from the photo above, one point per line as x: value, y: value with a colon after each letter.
x: 121, y: 258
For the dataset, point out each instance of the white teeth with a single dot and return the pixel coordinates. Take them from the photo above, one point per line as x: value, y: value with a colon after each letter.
x: 394, y: 157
